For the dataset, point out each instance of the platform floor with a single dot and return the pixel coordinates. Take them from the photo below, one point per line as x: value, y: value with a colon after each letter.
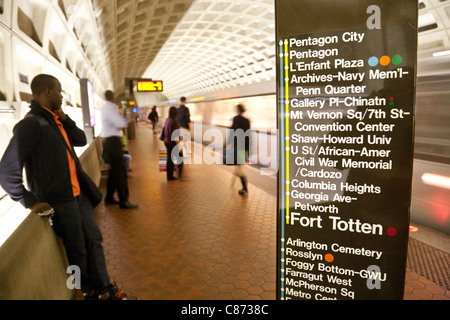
x: 197, y: 239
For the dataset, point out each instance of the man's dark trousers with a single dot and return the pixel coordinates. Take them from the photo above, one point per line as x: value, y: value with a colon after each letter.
x: 75, y: 224
x: 117, y: 178
x: 171, y: 146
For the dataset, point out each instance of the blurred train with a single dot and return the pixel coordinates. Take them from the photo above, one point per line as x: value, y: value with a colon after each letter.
x: 431, y: 180
x: 430, y: 205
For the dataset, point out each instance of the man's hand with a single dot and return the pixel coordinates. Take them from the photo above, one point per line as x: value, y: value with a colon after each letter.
x: 43, y: 209
x: 60, y: 113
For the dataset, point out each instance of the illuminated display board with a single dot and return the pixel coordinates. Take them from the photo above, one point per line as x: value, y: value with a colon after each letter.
x: 88, y: 107
x: 345, y: 91
x: 149, y: 86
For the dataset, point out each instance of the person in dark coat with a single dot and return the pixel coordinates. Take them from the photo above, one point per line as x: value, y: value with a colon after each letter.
x: 241, y: 143
x: 41, y: 144
x: 184, y: 119
x: 172, y: 126
x: 153, y: 117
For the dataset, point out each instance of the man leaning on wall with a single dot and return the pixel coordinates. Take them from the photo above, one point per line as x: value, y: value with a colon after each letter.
x: 43, y: 143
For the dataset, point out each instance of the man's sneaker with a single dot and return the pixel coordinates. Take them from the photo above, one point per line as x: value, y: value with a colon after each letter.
x: 114, y: 294
x: 127, y: 205
x: 91, y: 295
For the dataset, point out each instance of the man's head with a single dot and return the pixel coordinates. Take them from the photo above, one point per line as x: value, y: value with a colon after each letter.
x: 183, y: 100
x: 109, y: 95
x: 240, y: 108
x: 46, y: 91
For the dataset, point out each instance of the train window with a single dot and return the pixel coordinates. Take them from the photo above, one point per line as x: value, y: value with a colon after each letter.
x: 432, y: 131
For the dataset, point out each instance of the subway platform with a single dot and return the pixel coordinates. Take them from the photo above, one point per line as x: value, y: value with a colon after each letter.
x: 197, y: 239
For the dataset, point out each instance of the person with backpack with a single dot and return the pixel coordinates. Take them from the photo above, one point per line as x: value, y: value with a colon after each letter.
x: 153, y: 117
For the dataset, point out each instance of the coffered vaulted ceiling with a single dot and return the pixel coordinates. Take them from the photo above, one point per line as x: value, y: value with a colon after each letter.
x: 201, y: 46
x: 134, y: 31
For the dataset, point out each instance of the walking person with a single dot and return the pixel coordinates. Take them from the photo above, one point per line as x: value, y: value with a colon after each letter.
x: 112, y: 124
x: 241, y: 144
x: 153, y: 117
x: 171, y: 142
x: 184, y: 119
x: 43, y: 143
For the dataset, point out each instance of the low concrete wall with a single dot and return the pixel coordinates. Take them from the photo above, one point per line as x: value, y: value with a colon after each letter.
x: 33, y: 262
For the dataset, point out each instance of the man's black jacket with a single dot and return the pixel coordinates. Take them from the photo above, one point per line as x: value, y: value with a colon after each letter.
x: 183, y: 116
x: 38, y: 145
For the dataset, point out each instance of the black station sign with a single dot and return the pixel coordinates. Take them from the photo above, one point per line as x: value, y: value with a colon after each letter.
x: 346, y: 73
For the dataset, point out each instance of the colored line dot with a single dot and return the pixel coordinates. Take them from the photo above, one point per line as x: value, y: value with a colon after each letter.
x: 373, y: 61
x: 329, y: 257
x: 391, y: 231
x: 391, y: 103
x: 385, y: 60
x: 397, y: 59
